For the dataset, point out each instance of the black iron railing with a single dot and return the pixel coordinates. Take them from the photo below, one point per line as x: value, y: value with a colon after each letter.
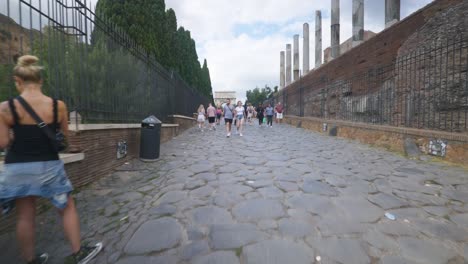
x: 90, y: 63
x: 426, y: 88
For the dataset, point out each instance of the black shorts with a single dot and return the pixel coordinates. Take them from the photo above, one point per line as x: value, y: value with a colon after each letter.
x: 226, y: 120
x: 211, y: 120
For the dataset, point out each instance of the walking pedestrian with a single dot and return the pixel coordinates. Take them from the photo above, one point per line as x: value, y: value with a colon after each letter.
x: 211, y: 112
x: 219, y: 112
x: 240, y: 113
x: 201, y: 117
x: 250, y: 113
x: 260, y: 114
x: 279, y: 112
x: 269, y: 111
x: 32, y: 166
x: 228, y: 111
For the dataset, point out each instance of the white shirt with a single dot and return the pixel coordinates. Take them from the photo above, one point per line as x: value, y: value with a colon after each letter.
x: 240, y: 110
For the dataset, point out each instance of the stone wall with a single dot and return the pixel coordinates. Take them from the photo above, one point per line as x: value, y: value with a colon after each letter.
x: 391, y: 138
x: 413, y: 74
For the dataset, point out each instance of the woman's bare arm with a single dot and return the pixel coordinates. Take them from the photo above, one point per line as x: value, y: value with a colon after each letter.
x: 63, y: 115
x: 5, y: 116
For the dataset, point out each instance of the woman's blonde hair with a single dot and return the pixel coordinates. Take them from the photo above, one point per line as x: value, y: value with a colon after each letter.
x: 27, y: 69
x: 200, y: 108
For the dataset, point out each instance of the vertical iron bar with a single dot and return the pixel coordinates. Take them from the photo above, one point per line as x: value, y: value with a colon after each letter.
x: 31, y: 37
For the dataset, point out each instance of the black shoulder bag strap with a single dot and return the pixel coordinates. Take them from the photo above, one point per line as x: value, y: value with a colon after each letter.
x: 43, y: 126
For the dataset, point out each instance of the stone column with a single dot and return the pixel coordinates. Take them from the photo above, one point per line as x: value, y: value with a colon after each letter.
x: 288, y: 64
x: 358, y: 22
x: 318, y: 38
x: 305, y: 50
x: 296, y: 57
x: 335, y: 29
x: 392, y: 12
x: 282, y: 72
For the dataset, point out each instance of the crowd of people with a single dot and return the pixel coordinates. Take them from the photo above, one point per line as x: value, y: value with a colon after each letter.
x: 239, y: 115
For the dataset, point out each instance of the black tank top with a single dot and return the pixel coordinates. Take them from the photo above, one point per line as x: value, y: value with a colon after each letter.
x: 31, y: 144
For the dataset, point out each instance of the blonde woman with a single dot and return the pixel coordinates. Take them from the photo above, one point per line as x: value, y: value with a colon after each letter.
x: 32, y: 166
x: 239, y: 112
x: 201, y: 117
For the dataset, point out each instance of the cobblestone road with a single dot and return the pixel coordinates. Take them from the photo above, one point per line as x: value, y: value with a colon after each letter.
x: 276, y: 195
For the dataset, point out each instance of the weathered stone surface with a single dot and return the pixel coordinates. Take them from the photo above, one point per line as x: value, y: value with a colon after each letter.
x: 210, y: 215
x: 194, y: 249
x: 234, y: 235
x: 154, y: 236
x: 277, y: 252
x: 318, y: 188
x: 218, y: 257
x: 359, y: 209
x: 271, y: 192
x: 191, y: 185
x: 287, y: 186
x: 295, y: 228
x: 163, y: 209
x: 387, y: 201
x: 342, y: 250
x: 460, y: 219
x: 424, y: 251
x: 312, y: 203
x: 172, y: 197
x: 202, y: 191
x: 252, y: 210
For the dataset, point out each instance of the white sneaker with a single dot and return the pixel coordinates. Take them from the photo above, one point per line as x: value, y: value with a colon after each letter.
x: 241, y: 134
x: 228, y: 135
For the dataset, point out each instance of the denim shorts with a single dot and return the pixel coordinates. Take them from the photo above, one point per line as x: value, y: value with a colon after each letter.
x: 46, y: 179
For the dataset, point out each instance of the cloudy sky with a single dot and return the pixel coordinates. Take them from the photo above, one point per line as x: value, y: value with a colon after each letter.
x: 242, y: 39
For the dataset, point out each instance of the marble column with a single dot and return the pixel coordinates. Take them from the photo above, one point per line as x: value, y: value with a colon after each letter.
x: 296, y: 57
x: 305, y: 50
x: 288, y: 64
x: 282, y: 72
x: 318, y: 38
x: 358, y: 22
x: 335, y: 29
x: 392, y: 12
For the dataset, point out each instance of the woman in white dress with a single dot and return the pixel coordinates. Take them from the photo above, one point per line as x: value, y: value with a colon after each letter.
x: 201, y: 117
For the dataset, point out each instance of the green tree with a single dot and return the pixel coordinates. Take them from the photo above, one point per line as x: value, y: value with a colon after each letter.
x: 258, y: 96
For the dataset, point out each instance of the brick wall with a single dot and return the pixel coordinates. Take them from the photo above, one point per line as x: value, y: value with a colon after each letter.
x: 391, y: 138
x: 413, y: 74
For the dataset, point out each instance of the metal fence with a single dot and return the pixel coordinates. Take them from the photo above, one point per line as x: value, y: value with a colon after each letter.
x: 90, y: 63
x: 425, y: 89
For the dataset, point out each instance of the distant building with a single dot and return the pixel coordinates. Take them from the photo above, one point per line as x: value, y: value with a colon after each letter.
x: 222, y: 96
x: 346, y: 46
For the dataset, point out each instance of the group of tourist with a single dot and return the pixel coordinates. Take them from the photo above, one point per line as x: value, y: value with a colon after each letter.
x: 238, y: 114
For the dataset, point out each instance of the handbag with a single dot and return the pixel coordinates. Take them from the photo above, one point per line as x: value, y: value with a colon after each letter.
x: 57, y: 139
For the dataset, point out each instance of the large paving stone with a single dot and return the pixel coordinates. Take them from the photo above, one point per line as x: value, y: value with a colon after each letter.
x: 460, y: 220
x: 233, y: 236
x: 441, y: 229
x: 359, y: 209
x: 218, y: 257
x: 277, y: 252
x: 312, y: 203
x: 287, y: 186
x: 425, y: 251
x: 253, y: 210
x: 227, y: 200
x: 209, y: 215
x: 163, y: 209
x: 199, y: 168
x: 295, y: 228
x: 154, y: 236
x: 234, y: 189
x: 319, y: 188
x: 194, y: 249
x: 202, y: 191
x: 343, y: 250
x: 172, y: 197
x: 271, y: 192
x: 387, y: 201
x: 128, y: 197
